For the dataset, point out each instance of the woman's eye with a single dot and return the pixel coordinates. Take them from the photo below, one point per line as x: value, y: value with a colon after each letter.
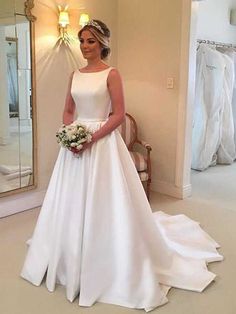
x: 81, y: 41
x: 91, y: 41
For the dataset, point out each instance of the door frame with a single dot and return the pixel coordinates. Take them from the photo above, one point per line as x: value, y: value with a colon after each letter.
x: 188, y: 48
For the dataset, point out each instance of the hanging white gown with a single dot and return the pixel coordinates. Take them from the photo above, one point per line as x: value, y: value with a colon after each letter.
x: 208, y: 106
x: 96, y: 233
x: 226, y: 152
x: 234, y: 99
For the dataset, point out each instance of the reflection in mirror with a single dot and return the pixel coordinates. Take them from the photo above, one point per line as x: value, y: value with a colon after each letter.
x: 16, y: 105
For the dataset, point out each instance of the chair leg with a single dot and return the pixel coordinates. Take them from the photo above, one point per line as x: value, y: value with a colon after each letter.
x: 148, y: 189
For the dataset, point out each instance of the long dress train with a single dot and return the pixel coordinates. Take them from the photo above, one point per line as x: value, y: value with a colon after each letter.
x: 96, y: 233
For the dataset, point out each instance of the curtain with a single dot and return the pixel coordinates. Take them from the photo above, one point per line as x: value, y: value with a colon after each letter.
x: 12, y: 83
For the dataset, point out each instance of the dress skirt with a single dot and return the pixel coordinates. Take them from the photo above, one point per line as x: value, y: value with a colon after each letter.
x: 97, y: 236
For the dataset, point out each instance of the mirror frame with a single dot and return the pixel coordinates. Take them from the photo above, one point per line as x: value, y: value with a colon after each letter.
x: 28, y: 6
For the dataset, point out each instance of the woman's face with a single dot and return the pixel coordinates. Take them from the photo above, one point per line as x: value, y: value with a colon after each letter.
x: 89, y: 45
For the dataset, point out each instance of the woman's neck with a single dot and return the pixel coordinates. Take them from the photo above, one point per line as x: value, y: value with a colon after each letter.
x: 95, y: 64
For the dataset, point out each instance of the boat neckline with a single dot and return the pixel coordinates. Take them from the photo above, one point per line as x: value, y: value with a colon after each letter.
x: 94, y: 71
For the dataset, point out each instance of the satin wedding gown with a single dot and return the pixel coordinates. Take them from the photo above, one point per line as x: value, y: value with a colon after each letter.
x: 96, y: 233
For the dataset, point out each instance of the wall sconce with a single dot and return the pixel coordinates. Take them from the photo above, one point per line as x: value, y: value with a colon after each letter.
x: 233, y: 16
x: 84, y: 18
x: 63, y: 22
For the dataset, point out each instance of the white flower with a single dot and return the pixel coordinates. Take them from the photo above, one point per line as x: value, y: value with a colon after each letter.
x: 61, y: 130
x: 89, y: 138
x: 70, y: 135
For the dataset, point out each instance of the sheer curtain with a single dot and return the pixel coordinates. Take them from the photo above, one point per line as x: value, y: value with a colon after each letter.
x: 12, y: 82
x: 234, y: 99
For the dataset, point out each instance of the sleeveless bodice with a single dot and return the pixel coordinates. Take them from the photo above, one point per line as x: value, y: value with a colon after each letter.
x: 91, y: 95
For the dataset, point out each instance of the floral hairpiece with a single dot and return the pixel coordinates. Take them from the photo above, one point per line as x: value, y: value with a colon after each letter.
x: 96, y: 25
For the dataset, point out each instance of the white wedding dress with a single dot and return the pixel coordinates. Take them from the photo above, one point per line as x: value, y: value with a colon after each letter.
x: 96, y: 233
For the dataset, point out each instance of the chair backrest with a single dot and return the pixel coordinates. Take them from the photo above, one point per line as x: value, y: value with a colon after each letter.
x: 128, y: 130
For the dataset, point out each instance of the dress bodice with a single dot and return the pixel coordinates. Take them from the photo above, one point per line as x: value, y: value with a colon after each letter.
x: 91, y: 95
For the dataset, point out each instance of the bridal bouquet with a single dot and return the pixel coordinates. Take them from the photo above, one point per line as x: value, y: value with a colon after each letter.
x: 73, y: 135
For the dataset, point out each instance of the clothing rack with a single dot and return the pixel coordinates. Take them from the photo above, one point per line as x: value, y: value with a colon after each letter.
x: 215, y: 43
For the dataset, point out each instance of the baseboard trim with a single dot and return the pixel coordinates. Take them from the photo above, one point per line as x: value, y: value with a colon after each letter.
x: 21, y: 202
x: 170, y: 189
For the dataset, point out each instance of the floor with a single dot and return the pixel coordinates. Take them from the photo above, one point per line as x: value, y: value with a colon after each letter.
x: 213, y: 204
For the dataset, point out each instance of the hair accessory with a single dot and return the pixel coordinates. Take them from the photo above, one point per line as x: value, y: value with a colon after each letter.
x: 96, y: 25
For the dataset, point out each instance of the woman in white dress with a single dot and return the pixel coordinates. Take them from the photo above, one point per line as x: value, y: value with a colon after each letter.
x: 96, y: 233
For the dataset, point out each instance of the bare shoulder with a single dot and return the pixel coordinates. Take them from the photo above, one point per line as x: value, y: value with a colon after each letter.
x: 114, y: 75
x: 114, y: 72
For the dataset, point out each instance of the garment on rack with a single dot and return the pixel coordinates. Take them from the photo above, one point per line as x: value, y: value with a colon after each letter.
x: 208, y: 107
x: 226, y: 152
x: 234, y: 100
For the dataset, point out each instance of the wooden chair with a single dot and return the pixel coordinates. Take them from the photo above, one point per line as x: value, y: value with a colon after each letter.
x: 129, y: 133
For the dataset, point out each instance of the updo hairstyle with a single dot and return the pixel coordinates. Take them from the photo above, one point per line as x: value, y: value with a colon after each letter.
x: 101, y: 32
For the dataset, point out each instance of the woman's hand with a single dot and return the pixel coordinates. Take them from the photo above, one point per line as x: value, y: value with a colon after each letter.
x: 76, y: 151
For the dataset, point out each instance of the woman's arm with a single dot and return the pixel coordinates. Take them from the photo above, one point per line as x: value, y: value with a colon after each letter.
x: 69, y: 109
x: 118, y: 108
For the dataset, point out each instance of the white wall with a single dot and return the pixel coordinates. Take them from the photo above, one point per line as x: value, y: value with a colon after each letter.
x: 149, y: 51
x: 214, y: 21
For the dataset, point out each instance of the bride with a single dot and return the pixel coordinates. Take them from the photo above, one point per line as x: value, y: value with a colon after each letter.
x: 96, y: 233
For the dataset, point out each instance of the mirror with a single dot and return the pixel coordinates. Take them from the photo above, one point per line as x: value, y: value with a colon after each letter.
x: 17, y: 97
